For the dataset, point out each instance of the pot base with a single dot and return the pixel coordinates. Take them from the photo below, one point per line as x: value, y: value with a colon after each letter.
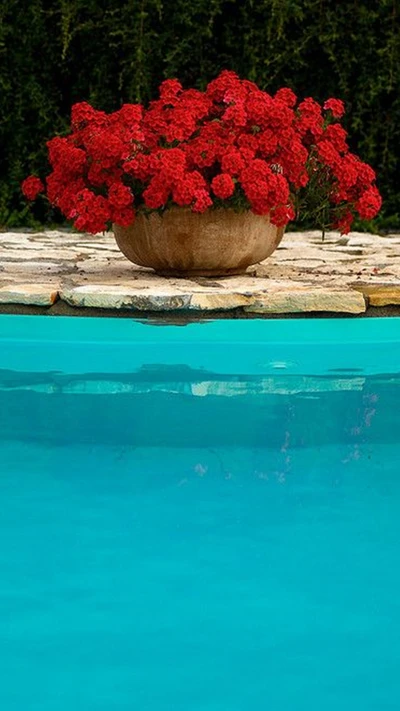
x: 197, y: 273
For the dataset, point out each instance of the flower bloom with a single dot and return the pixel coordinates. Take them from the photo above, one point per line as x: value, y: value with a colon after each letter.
x: 223, y: 186
x: 343, y: 224
x: 336, y: 106
x: 93, y: 212
x: 287, y: 96
x: 369, y: 204
x: 336, y: 135
x: 119, y: 195
x: 31, y: 187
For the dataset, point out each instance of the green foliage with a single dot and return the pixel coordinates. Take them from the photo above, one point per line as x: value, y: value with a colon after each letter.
x: 56, y: 52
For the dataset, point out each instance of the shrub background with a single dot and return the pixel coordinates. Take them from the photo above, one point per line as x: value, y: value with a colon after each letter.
x: 54, y: 53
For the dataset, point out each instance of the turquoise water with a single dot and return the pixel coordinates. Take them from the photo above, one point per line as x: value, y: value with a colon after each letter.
x: 199, y: 518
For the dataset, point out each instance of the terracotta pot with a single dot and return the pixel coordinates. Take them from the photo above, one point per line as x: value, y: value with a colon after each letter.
x: 184, y: 243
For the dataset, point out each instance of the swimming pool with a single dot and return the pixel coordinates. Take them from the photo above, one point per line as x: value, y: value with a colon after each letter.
x: 199, y: 518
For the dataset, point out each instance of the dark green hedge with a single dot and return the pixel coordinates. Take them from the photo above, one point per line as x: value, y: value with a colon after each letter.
x: 53, y: 53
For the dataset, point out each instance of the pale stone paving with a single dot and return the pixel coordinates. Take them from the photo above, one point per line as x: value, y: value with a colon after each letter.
x: 341, y: 275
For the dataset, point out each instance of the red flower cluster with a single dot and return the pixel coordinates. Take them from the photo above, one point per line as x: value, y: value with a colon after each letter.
x: 31, y: 187
x: 336, y: 106
x: 231, y: 145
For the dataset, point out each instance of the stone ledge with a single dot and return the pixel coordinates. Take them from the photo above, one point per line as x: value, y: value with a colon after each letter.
x: 29, y: 294
x: 339, y: 275
x: 308, y: 299
x: 381, y: 294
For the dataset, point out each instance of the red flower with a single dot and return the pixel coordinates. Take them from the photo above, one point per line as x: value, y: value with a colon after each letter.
x: 293, y: 158
x: 202, y: 201
x: 256, y: 181
x: 369, y: 203
x: 344, y: 223
x: 249, y: 143
x: 287, y: 96
x: 366, y: 175
x: 260, y: 107
x: 309, y: 122
x: 226, y: 82
x: 106, y: 147
x: 120, y: 196
x: 336, y: 106
x: 328, y: 154
x: 347, y: 171
x: 267, y: 142
x: 279, y: 189
x: 156, y: 194
x: 172, y: 164
x: 223, y: 186
x: 280, y: 216
x: 232, y: 161
x: 67, y: 199
x: 310, y: 107
x: 180, y: 126
x: 99, y: 176
x: 188, y: 188
x: 93, y: 212
x: 31, y: 187
x: 140, y: 167
x: 336, y: 135
x: 124, y: 216
x: 170, y: 90
x: 235, y: 115
x: 127, y: 123
x: 83, y: 114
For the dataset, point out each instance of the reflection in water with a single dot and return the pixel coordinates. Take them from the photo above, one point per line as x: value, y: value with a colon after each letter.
x: 283, y: 412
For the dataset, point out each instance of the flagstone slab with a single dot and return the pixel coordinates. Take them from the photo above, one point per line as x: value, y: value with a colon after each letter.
x: 29, y: 294
x: 381, y: 294
x: 308, y: 299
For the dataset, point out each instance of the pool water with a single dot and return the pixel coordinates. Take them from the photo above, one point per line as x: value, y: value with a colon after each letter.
x: 182, y: 537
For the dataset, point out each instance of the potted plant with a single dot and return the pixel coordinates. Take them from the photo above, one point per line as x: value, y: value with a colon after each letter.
x: 205, y: 182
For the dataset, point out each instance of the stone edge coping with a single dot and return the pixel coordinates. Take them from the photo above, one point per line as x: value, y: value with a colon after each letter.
x: 274, y: 298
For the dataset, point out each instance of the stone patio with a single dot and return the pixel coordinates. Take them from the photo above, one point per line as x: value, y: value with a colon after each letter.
x: 339, y: 275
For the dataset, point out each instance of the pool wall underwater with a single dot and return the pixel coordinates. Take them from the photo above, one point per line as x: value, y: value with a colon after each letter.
x: 199, y: 518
